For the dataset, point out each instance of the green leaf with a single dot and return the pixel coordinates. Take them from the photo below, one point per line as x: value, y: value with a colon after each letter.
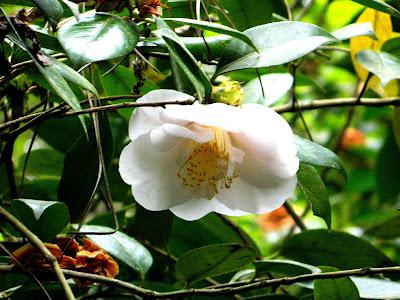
x: 284, y: 267
x: 244, y: 15
x: 213, y: 260
x: 81, y: 167
x: 380, y: 5
x: 52, y: 9
x: 274, y: 86
x: 354, y: 30
x: 211, y: 229
x: 335, y: 289
x: 392, y: 46
x: 214, y: 27
x: 278, y: 43
x: 387, y: 170
x: 72, y: 75
x: 314, y: 154
x: 39, y: 216
x: 315, y: 191
x: 387, y: 230
x: 73, y: 7
x: 184, y: 65
x: 333, y: 248
x: 384, y: 65
x: 203, y: 49
x: 96, y: 37
x: 123, y: 247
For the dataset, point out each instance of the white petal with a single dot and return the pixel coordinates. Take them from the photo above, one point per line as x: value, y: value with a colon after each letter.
x: 215, y: 115
x: 245, y: 197
x: 165, y: 137
x: 198, y: 208
x: 152, y: 175
x: 267, y: 141
x: 144, y: 119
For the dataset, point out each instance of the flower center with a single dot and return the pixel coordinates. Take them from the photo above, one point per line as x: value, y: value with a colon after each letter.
x: 207, y: 168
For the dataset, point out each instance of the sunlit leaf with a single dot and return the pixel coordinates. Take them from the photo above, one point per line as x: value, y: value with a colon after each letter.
x: 39, y: 216
x: 382, y: 27
x: 274, y: 87
x: 52, y: 9
x: 355, y: 30
x: 122, y: 247
x: 96, y: 37
x: 383, y: 65
x: 317, y: 155
x: 278, y: 43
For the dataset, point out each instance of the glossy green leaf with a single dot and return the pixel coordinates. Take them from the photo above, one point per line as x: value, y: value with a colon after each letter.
x: 52, y: 9
x: 203, y: 49
x: 245, y: 15
x: 278, y: 43
x: 387, y: 230
x: 284, y: 267
x: 354, y: 30
x: 39, y: 216
x: 211, y: 229
x: 123, y: 247
x: 96, y: 37
x: 213, y: 260
x: 273, y: 85
x: 383, y: 65
x: 184, y: 66
x: 386, y: 170
x: 392, y: 46
x: 335, y: 289
x: 315, y: 191
x: 323, y: 247
x: 73, y: 7
x: 314, y: 154
x: 81, y: 167
x: 214, y: 27
x: 380, y: 5
x: 71, y: 75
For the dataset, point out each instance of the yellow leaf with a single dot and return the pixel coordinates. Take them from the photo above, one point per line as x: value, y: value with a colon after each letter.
x: 382, y: 26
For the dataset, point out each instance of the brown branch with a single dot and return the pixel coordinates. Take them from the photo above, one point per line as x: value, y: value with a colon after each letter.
x: 62, y: 111
x: 38, y: 244
x: 337, y: 102
x: 225, y: 289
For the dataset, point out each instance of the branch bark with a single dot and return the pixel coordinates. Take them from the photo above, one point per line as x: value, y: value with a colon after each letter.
x: 217, y: 290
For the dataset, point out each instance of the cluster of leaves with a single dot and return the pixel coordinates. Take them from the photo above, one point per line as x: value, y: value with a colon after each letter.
x: 61, y: 60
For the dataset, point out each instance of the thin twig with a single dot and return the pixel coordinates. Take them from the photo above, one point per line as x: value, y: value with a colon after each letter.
x: 38, y: 244
x: 215, y: 291
x: 297, y: 219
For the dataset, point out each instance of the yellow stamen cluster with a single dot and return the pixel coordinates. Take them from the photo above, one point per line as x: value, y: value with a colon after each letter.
x: 207, y: 165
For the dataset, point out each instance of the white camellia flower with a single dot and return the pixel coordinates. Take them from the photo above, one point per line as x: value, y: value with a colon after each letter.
x: 200, y: 158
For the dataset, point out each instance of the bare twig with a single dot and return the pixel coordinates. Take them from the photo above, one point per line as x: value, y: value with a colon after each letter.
x: 225, y: 289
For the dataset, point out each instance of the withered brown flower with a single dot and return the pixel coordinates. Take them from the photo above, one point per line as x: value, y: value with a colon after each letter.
x: 89, y: 258
x: 150, y: 7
